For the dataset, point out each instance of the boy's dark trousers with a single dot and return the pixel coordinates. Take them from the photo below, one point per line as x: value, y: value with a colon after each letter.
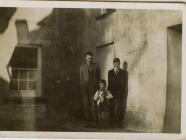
x: 103, y: 118
x: 90, y: 109
x: 117, y: 112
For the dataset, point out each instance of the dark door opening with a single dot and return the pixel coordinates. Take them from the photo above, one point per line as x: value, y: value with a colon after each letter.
x: 172, y: 120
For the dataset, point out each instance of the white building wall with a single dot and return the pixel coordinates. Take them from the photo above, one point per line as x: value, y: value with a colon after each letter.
x: 140, y: 38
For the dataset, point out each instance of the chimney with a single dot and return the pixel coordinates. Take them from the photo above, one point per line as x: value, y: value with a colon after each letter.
x: 22, y: 31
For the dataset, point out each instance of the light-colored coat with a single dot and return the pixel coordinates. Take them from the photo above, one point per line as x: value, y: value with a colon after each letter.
x: 84, y: 76
x: 100, y: 96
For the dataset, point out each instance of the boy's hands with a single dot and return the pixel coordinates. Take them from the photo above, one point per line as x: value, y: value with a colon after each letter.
x: 101, y: 97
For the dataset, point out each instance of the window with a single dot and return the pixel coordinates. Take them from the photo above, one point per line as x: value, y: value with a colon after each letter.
x: 25, y: 72
x: 24, y: 79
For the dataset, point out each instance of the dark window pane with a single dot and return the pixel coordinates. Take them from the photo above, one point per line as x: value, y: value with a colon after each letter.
x: 22, y: 74
x: 14, y: 85
x: 32, y: 75
x: 14, y: 74
x: 22, y: 85
x: 32, y: 85
x: 24, y: 57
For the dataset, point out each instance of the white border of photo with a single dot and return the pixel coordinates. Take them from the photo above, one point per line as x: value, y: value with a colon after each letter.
x: 100, y: 135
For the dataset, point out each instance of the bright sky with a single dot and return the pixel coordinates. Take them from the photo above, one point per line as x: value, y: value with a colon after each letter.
x: 8, y: 39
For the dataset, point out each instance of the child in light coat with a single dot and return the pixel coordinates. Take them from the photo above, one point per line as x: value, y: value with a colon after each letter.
x: 102, y: 98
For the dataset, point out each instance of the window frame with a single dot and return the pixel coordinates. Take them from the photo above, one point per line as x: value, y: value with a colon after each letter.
x: 30, y: 93
x: 27, y: 79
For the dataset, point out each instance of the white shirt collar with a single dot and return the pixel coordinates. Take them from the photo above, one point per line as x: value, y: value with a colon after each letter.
x: 116, y: 70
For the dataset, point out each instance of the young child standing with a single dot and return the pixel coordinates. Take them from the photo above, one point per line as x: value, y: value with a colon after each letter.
x: 102, y: 98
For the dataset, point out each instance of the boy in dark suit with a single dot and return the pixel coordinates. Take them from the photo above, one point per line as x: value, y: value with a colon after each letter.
x: 117, y: 84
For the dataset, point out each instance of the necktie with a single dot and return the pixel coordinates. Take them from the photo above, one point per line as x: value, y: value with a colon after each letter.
x: 117, y: 72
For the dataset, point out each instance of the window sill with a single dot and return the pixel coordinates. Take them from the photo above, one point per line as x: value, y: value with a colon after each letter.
x: 105, y: 14
x: 105, y: 45
x: 24, y: 94
x: 25, y: 100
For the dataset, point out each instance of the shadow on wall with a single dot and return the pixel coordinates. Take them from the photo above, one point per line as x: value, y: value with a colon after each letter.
x: 141, y: 50
x: 59, y: 34
x: 64, y: 38
x: 5, y: 16
x: 4, y: 89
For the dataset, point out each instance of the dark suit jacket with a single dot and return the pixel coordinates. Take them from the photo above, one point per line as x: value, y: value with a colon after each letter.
x: 84, y: 77
x: 118, y: 84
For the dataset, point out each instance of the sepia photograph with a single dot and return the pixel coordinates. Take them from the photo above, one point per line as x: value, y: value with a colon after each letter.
x: 90, y: 70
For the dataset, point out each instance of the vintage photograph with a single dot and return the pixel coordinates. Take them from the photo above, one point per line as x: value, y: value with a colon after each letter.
x: 90, y: 70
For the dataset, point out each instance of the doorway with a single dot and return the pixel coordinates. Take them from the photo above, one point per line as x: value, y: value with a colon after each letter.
x: 172, y: 120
